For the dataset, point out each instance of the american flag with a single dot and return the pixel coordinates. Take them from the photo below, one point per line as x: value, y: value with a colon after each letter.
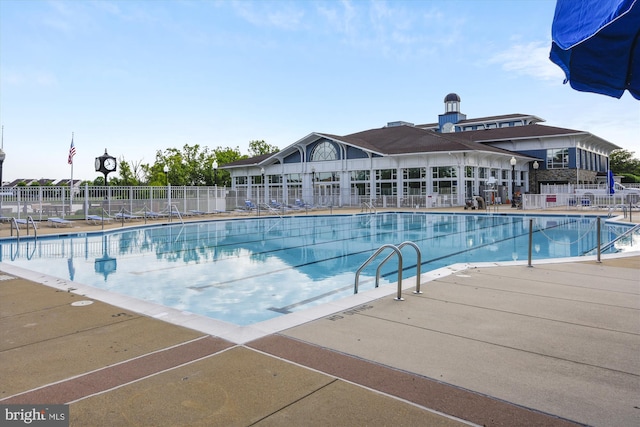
x: 72, y: 152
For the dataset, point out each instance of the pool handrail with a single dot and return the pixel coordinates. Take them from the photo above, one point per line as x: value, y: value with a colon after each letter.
x: 372, y: 257
x: 418, y: 264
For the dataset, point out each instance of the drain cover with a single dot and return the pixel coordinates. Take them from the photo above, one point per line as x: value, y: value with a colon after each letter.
x: 81, y: 303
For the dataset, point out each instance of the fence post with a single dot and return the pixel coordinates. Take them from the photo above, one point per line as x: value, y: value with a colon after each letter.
x: 530, y: 239
x: 598, y: 240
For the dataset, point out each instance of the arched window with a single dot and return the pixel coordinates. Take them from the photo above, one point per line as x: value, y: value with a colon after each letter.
x: 324, y: 151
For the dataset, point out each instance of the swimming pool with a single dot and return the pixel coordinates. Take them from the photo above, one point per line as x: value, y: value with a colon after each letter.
x: 244, y: 271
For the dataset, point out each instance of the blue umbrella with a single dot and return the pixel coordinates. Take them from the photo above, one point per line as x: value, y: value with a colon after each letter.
x: 597, y: 45
x: 611, y: 181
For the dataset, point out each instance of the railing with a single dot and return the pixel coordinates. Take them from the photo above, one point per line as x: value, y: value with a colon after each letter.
x: 27, y: 222
x: 371, y: 258
x: 418, y: 264
x: 368, y: 207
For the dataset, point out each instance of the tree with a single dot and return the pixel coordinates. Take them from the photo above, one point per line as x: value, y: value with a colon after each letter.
x: 189, y: 166
x: 127, y: 174
x: 258, y: 148
x: 224, y: 156
x: 622, y: 162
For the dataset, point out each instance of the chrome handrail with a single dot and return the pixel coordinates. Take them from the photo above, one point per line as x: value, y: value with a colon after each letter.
x: 372, y: 257
x: 418, y: 264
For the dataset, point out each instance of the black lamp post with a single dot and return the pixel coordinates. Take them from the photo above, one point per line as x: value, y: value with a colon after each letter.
x: 214, y: 165
x: 513, y: 181
x: 536, y: 165
x: 2, y: 157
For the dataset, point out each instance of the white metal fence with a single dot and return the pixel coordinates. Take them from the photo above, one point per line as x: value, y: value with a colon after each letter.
x: 43, y: 202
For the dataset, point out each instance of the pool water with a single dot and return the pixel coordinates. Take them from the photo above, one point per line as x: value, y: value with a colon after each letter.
x: 245, y: 271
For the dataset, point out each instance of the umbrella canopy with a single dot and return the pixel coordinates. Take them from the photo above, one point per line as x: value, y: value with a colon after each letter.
x: 597, y: 44
x: 611, y: 182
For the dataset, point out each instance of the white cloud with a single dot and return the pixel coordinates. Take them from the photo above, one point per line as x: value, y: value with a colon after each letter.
x: 529, y: 59
x: 25, y: 78
x: 288, y: 16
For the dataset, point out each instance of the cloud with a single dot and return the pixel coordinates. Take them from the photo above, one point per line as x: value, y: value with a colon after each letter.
x: 287, y: 16
x: 26, y: 78
x: 529, y: 59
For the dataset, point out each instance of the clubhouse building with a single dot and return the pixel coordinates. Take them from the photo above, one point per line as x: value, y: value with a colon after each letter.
x: 443, y: 163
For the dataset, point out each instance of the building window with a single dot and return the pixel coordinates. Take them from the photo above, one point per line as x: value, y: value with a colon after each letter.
x: 386, y: 174
x: 444, y: 172
x: 324, y: 151
x: 241, y: 180
x: 294, y: 178
x: 469, y: 172
x: 558, y: 159
x: 360, y: 175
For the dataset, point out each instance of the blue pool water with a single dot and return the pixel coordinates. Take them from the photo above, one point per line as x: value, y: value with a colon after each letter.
x: 250, y: 270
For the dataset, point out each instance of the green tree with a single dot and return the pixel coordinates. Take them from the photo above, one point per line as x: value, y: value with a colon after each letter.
x: 189, y: 166
x: 623, y: 162
x: 258, y: 148
x: 224, y: 156
x: 126, y: 173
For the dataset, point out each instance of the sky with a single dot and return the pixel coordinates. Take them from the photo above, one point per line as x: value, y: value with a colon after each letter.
x: 138, y: 77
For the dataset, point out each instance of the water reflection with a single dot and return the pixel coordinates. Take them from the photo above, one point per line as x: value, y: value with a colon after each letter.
x: 248, y: 270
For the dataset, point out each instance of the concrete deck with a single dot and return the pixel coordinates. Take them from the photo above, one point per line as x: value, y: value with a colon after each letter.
x: 557, y: 344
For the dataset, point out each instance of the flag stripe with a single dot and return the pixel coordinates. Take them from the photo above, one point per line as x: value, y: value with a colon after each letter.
x: 72, y: 152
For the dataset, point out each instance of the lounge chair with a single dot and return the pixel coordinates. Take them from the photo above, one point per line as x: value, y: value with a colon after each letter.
x: 248, y: 205
x: 96, y: 219
x: 23, y: 221
x: 126, y: 216
x: 154, y: 215
x: 56, y: 222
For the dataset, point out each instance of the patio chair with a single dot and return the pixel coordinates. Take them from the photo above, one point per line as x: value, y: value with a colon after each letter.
x: 126, y: 216
x: 96, y: 219
x: 23, y: 221
x: 59, y: 222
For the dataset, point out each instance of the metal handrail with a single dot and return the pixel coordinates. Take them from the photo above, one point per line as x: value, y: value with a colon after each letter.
x: 372, y: 257
x: 369, y: 206
x: 177, y: 212
x: 33, y: 224
x: 418, y: 264
x: 14, y: 223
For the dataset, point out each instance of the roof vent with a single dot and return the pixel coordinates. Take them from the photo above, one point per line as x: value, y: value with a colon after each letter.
x: 399, y: 123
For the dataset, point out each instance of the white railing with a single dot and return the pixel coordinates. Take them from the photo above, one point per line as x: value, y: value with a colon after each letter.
x: 43, y: 201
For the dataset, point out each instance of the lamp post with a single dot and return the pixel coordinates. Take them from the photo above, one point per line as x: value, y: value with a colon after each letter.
x: 313, y: 186
x: 264, y: 186
x: 513, y: 181
x: 166, y: 174
x: 535, y: 176
x: 214, y: 165
x: 2, y: 157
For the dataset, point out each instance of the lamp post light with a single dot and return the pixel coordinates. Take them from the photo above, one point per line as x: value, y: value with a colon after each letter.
x: 166, y: 174
x: 313, y: 186
x: 264, y: 186
x: 513, y: 181
x: 2, y: 157
x: 214, y: 165
x: 536, y: 165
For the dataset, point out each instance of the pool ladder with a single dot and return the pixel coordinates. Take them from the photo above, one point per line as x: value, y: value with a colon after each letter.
x: 396, y: 251
x: 29, y: 220
x: 368, y: 207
